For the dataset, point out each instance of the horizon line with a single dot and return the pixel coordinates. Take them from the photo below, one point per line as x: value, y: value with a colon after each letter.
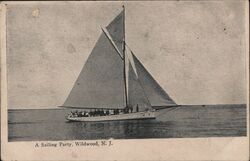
x: 42, y: 108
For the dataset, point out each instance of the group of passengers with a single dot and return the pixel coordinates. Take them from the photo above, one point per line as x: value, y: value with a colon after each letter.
x: 102, y: 112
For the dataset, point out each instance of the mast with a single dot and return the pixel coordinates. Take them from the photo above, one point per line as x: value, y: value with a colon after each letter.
x: 124, y: 60
x: 139, y: 86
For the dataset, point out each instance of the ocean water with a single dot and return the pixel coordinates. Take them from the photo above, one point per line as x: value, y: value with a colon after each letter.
x: 180, y: 122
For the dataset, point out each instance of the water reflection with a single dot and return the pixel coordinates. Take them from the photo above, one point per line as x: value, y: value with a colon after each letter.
x: 121, y: 129
x: 185, y: 122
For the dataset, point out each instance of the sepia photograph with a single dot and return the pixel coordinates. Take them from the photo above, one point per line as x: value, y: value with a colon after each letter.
x: 124, y: 80
x: 132, y: 70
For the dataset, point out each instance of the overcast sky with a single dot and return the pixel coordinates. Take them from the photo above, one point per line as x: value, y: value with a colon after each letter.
x: 194, y: 50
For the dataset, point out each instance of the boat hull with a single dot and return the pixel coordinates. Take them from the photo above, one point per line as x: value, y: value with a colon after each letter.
x: 128, y: 116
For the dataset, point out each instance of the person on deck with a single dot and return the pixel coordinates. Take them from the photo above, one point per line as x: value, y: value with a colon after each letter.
x: 137, y: 108
x: 101, y: 113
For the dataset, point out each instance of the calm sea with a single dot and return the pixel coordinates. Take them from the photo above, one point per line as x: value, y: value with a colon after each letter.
x: 180, y: 122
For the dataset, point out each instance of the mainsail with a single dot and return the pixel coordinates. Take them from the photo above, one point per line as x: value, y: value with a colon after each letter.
x: 114, y: 78
x: 116, y: 30
x: 100, y: 83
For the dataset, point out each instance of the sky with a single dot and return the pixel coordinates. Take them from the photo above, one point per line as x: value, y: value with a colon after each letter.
x: 194, y: 49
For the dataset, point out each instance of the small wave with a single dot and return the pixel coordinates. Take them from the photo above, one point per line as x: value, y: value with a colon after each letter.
x: 18, y: 138
x: 24, y: 122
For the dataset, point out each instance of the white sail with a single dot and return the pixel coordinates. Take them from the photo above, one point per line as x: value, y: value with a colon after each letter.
x: 112, y: 41
x: 100, y: 83
x: 114, y: 78
x: 136, y: 93
x: 155, y: 94
x: 131, y: 60
x: 117, y: 31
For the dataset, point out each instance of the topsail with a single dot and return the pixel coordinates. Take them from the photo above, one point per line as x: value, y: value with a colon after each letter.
x: 114, y: 78
x: 117, y: 31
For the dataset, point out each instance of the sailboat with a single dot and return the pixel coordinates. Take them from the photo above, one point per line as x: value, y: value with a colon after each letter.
x: 114, y: 83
